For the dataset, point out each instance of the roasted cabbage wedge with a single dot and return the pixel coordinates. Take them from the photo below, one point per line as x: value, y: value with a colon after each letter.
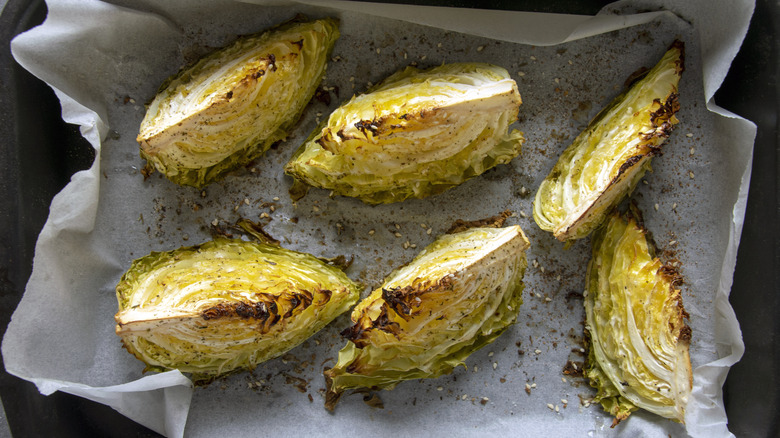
x: 606, y: 161
x: 231, y: 106
x: 416, y: 134
x: 225, y: 305
x: 458, y: 295
x: 638, y: 340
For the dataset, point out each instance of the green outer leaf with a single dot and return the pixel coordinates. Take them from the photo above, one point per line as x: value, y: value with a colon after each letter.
x: 607, y: 395
x: 416, y: 134
x: 456, y: 296
x: 231, y: 106
x: 226, y: 305
x: 638, y: 340
x: 606, y: 161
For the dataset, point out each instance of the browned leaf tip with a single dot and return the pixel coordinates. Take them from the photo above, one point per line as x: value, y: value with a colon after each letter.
x: 255, y: 230
x: 491, y: 222
x: 342, y: 262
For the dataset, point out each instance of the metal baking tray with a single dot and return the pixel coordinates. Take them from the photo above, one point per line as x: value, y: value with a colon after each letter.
x: 40, y: 152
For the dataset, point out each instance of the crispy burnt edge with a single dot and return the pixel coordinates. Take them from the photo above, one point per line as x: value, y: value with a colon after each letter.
x: 388, y: 123
x: 663, y: 121
x: 641, y: 72
x: 397, y: 303
x: 253, y: 229
x: 668, y: 273
x: 266, y: 310
x: 496, y: 221
x: 376, y: 126
x: 379, y: 126
x: 326, y: 139
x: 401, y: 301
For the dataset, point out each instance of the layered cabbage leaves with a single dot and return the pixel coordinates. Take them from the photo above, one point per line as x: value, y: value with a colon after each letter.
x: 606, y: 161
x: 638, y: 340
x: 458, y: 295
x: 417, y: 134
x: 232, y: 105
x: 225, y: 305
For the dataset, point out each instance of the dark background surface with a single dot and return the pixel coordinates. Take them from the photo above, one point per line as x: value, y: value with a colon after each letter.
x: 39, y: 153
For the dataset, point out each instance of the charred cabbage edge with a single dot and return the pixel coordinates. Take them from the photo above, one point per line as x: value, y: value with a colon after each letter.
x: 458, y: 295
x: 638, y: 340
x: 606, y: 161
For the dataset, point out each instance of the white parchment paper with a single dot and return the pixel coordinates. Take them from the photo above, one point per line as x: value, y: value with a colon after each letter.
x: 106, y: 60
